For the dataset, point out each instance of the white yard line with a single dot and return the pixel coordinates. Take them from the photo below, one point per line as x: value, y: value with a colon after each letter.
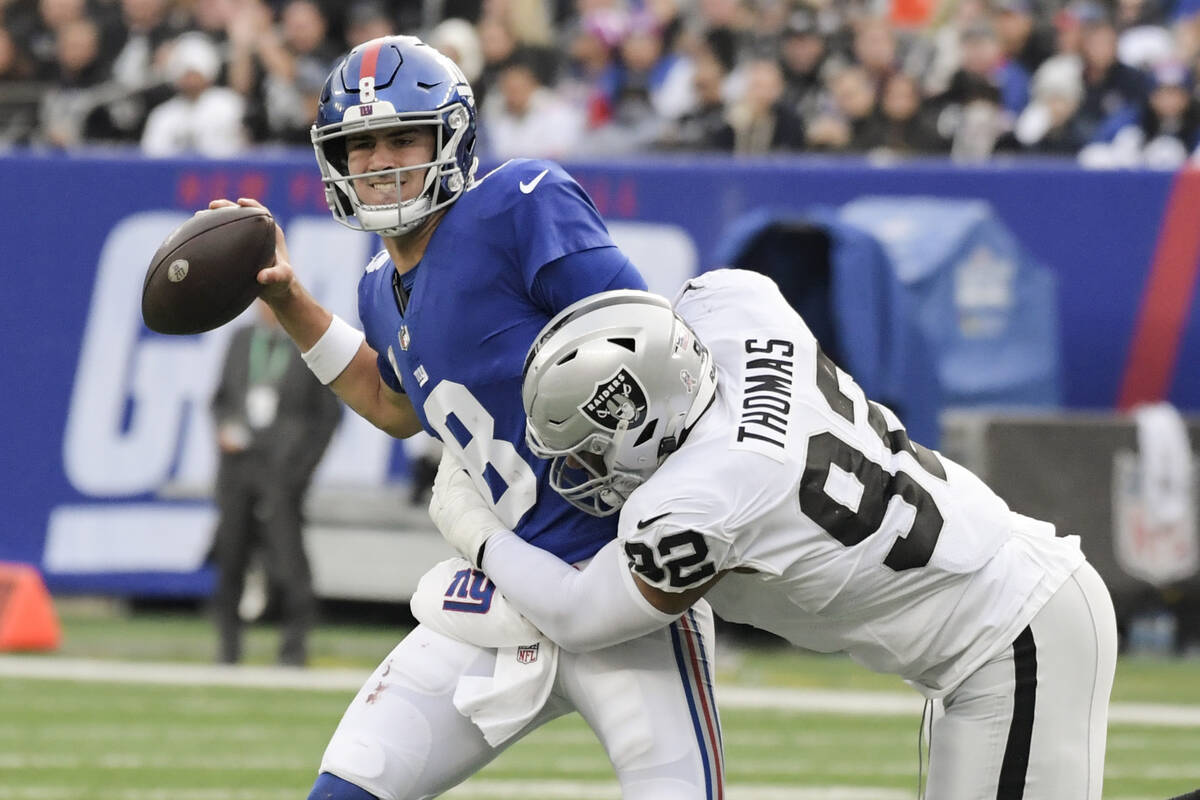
x: 489, y: 790
x: 820, y: 701
x: 486, y: 789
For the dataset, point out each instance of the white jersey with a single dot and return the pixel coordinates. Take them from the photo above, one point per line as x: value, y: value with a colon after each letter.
x: 836, y: 531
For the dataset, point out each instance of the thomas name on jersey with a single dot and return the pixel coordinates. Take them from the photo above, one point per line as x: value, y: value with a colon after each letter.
x: 766, y: 401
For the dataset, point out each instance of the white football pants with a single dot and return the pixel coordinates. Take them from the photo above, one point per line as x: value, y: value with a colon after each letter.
x: 649, y: 701
x: 1030, y: 724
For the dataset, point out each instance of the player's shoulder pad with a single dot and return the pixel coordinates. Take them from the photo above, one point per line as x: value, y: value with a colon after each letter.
x: 726, y: 278
x: 377, y: 271
x: 515, y: 181
x: 650, y: 514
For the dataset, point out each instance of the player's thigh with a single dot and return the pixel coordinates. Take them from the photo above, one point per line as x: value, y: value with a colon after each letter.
x: 1031, y: 722
x: 650, y: 702
x: 1077, y: 632
x: 401, y: 737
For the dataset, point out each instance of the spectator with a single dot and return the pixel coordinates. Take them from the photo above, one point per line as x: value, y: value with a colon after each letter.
x: 497, y: 44
x: 591, y: 84
x: 1130, y: 14
x: 1110, y: 87
x: 904, y: 125
x: 944, y: 57
x: 983, y: 58
x: 1050, y: 124
x: 528, y: 20
x: 274, y: 421
x: 457, y: 39
x: 213, y: 18
x: 19, y: 97
x: 146, y: 31
x: 761, y: 121
x: 367, y: 20
x: 527, y: 119
x: 852, y: 125
x: 1021, y: 38
x: 803, y: 53
x: 1068, y: 26
x: 42, y: 42
x: 71, y: 113
x: 15, y: 63
x: 647, y: 69
x: 280, y: 70
x: 1163, y: 133
x: 705, y: 126
x: 202, y: 118
x: 976, y: 122
x: 875, y: 49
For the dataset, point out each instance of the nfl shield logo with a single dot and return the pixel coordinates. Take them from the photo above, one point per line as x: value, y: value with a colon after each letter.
x: 527, y: 654
x: 1156, y: 551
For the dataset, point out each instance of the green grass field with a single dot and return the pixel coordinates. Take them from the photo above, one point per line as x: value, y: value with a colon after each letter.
x: 67, y: 740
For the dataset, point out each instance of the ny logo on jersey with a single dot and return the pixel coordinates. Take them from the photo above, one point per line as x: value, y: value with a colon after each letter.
x: 473, y: 591
x: 618, y: 399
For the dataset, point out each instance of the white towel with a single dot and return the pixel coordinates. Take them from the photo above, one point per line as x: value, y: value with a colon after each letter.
x: 460, y: 602
x: 1166, y: 457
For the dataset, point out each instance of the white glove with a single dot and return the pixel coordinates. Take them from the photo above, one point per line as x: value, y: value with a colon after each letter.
x: 460, y: 513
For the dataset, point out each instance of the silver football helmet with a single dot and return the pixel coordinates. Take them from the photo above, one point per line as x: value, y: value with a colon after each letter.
x: 611, y: 386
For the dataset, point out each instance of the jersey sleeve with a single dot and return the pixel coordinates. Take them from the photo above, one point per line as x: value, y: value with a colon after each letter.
x: 671, y: 556
x: 577, y: 275
x: 388, y: 374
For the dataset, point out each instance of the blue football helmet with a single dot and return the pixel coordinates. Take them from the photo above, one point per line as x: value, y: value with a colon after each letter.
x: 395, y: 81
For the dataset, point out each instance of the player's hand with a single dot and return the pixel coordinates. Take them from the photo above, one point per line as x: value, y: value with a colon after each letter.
x: 277, y: 279
x: 460, y: 513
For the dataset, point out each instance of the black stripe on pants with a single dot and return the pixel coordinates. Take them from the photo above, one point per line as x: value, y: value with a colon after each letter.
x: 1020, y: 731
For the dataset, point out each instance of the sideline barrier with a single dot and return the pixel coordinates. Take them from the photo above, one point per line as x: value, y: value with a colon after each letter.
x: 109, y: 444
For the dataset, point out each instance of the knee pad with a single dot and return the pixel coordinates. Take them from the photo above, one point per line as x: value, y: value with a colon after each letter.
x: 331, y: 787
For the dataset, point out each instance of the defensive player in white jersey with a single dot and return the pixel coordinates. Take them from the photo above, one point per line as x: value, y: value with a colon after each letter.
x: 471, y: 270
x: 749, y: 469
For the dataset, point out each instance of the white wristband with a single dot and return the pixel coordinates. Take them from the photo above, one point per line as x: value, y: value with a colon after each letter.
x: 334, y: 351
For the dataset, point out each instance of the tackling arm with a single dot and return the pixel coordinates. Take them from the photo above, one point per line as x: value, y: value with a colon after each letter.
x: 579, y: 609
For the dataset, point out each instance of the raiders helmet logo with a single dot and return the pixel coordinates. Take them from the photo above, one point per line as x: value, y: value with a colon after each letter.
x: 618, y: 399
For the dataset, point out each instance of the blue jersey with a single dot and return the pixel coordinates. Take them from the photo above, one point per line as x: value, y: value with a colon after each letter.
x: 507, y: 256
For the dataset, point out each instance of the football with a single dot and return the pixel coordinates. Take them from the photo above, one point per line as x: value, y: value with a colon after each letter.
x: 205, y: 273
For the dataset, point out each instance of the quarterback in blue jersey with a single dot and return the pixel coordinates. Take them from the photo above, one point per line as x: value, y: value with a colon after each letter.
x: 472, y: 269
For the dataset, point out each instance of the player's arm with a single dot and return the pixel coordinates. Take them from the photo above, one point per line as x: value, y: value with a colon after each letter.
x: 351, y: 366
x: 360, y: 387
x: 580, y: 610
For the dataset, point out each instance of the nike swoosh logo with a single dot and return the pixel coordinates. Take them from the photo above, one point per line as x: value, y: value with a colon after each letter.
x: 648, y: 522
x: 529, y: 187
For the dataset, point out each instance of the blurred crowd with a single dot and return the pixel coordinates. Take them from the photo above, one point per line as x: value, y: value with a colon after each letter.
x: 1110, y: 84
